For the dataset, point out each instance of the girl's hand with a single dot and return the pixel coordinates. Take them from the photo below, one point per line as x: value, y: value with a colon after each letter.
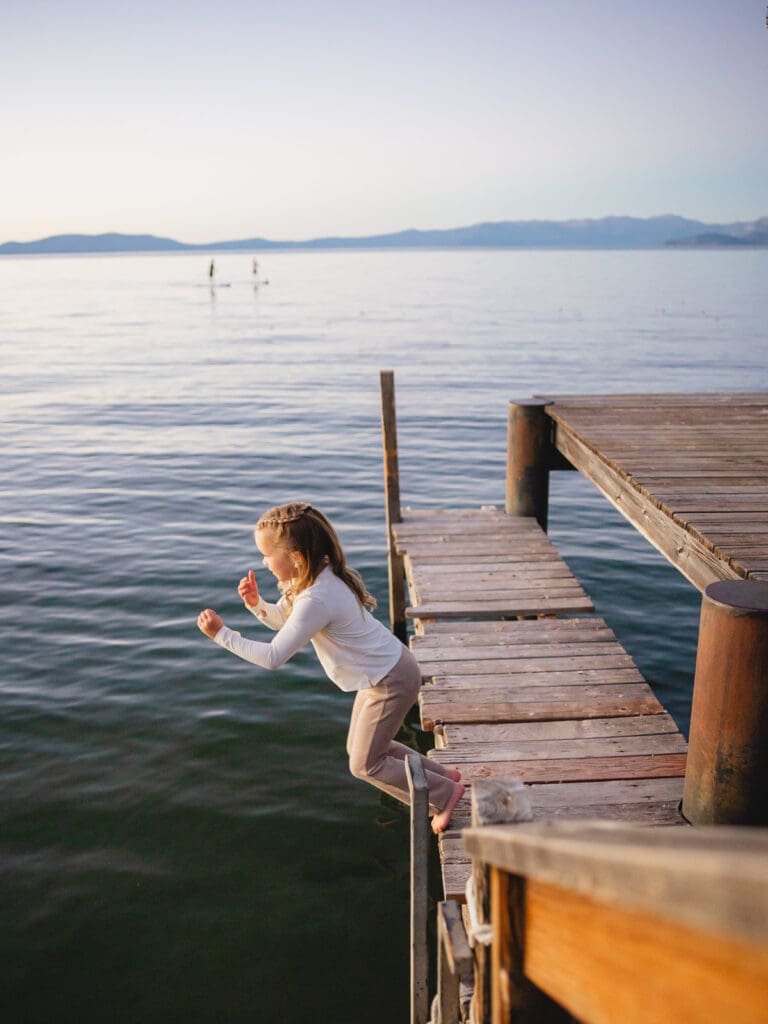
x: 248, y: 589
x: 209, y: 622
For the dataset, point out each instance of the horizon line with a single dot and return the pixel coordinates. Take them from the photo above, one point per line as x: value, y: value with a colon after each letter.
x: 383, y: 234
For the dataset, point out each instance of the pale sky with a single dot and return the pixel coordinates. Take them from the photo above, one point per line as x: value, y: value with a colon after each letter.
x: 291, y: 120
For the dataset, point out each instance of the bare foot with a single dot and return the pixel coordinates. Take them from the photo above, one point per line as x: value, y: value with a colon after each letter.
x: 453, y: 773
x: 440, y: 821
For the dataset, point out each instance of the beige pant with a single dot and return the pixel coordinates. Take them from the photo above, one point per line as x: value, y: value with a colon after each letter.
x: 374, y: 756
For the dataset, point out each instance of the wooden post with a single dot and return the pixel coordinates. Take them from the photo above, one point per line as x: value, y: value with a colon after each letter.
x: 726, y: 780
x: 454, y: 960
x: 494, y: 802
x: 417, y: 785
x: 392, y: 495
x: 528, y: 456
x: 514, y: 997
x: 503, y: 994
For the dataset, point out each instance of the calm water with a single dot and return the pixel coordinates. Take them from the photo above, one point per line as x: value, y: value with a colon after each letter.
x: 180, y: 840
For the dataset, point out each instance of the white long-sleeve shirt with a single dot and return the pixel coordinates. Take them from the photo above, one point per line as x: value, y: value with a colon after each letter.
x: 354, y: 648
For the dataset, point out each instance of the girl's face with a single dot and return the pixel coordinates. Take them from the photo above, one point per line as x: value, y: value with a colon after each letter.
x: 281, y: 563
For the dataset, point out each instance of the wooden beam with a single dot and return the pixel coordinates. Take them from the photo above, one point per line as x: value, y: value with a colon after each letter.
x: 606, y: 964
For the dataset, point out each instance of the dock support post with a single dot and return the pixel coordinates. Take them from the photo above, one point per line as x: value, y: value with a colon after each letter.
x: 454, y: 960
x: 726, y: 780
x: 503, y: 994
x: 494, y: 802
x: 417, y: 785
x: 392, y: 494
x: 528, y: 459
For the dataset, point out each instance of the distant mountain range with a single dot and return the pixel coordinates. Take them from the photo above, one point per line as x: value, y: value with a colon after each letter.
x: 602, y: 233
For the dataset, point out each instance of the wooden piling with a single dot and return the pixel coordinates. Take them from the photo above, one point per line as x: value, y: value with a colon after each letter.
x: 528, y: 459
x: 622, y: 924
x: 417, y: 785
x: 494, y: 801
x: 726, y: 780
x: 454, y: 960
x: 392, y: 493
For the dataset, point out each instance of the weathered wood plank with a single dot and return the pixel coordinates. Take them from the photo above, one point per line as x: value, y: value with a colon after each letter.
x: 469, y: 563
x: 467, y: 546
x: 498, y: 585
x: 511, y: 627
x: 417, y: 516
x: 532, y: 711
x: 634, y: 812
x: 685, y: 503
x: 606, y: 793
x: 492, y: 607
x: 447, y: 635
x: 525, y: 652
x: 456, y: 735
x: 480, y: 530
x: 553, y: 591
x: 448, y: 697
x: 575, y: 769
x: 455, y: 652
x: 737, y: 524
x: 674, y: 442
x: 511, y: 666
x: 546, y: 749
x: 710, y: 485
x: 445, y: 680
x: 495, y: 566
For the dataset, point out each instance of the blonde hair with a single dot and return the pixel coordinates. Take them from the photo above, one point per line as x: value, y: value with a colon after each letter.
x: 300, y: 527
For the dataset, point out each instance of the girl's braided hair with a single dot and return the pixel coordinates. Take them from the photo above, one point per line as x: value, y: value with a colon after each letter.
x: 300, y: 527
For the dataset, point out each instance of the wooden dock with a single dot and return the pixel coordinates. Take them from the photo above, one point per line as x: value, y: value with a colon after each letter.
x: 522, y: 683
x: 555, y: 701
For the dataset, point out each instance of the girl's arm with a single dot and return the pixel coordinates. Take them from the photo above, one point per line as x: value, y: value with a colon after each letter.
x: 272, y: 615
x: 308, y: 617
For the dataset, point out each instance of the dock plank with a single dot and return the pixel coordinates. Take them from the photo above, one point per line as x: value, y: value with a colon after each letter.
x: 588, y: 769
x: 569, y: 677
x: 538, y: 710
x: 457, y: 734
x: 488, y: 752
x: 443, y: 636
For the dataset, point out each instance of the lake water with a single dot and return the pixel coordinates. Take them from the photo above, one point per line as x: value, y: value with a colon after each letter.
x: 179, y: 837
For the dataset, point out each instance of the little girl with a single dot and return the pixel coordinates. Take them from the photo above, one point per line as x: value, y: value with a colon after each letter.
x: 325, y: 601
